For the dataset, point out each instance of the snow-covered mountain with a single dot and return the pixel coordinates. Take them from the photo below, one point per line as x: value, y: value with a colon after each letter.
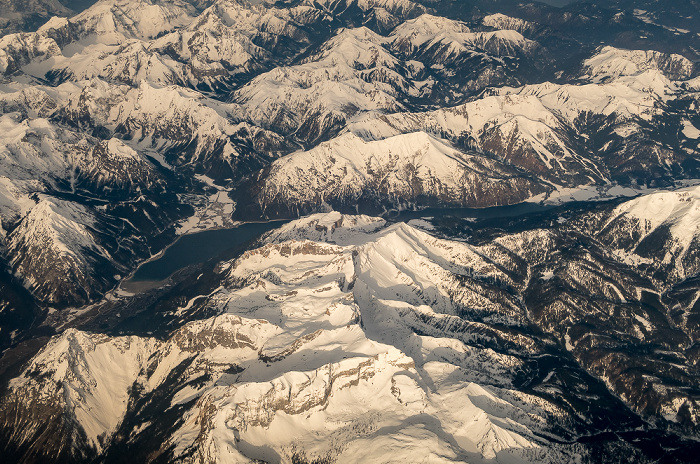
x: 659, y: 232
x: 337, y: 345
x: 116, y: 21
x: 611, y: 63
x: 351, y: 73
x: 407, y: 170
x: 21, y: 16
x: 565, y: 134
x: 512, y: 333
x: 519, y: 129
x: 53, y: 248
x: 55, y: 244
x: 334, y: 327
x: 445, y: 39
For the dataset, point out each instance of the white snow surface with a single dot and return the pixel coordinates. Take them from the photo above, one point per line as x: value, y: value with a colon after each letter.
x: 122, y: 19
x: 680, y: 210
x: 315, y: 343
x: 690, y: 131
x: 501, y: 21
x: 353, y: 70
x: 674, y: 215
x: 456, y: 38
x: 523, y: 122
x: 347, y: 166
x: 321, y: 323
x: 95, y: 372
x: 611, y: 63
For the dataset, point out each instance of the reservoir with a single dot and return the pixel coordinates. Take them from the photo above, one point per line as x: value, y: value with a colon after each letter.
x: 197, y: 248
x: 202, y: 246
x: 491, y: 212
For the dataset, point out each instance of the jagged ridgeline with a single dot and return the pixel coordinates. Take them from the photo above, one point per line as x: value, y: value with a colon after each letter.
x: 460, y: 276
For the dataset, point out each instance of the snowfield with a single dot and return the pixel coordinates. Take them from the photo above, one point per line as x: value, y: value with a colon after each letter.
x: 316, y: 349
x: 565, y: 334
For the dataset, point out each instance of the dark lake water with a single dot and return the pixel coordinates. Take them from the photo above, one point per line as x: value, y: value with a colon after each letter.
x: 203, y: 246
x: 478, y: 213
x: 198, y: 248
x: 557, y: 3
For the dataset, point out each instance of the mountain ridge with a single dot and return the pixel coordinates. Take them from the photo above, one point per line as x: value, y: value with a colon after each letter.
x: 460, y: 274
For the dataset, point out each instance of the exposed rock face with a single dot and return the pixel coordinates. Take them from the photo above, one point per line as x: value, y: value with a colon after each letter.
x: 611, y: 63
x: 339, y: 333
x: 560, y: 336
x: 56, y: 252
x: 407, y: 170
x: 657, y: 233
x: 338, y: 336
x: 23, y: 16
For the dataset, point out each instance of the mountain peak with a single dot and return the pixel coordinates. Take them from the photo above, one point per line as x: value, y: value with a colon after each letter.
x: 611, y: 63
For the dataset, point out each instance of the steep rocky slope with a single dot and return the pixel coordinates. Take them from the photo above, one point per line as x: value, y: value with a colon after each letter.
x: 408, y: 170
x: 562, y: 335
x: 339, y: 335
